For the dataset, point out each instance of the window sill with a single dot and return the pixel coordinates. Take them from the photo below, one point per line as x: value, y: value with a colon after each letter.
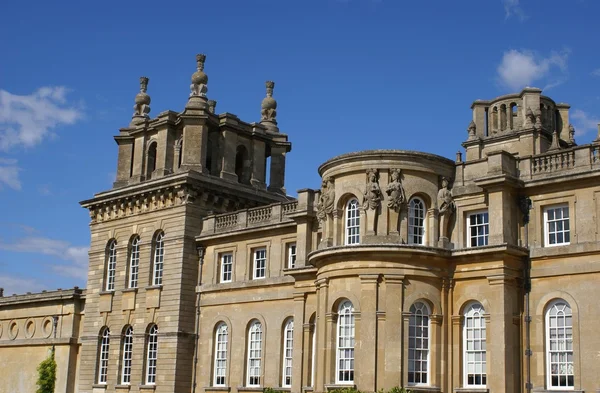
x: 334, y: 386
x: 147, y: 387
x: 250, y: 389
x: 308, y: 389
x: 122, y: 387
x: 126, y: 290
x: 106, y: 293
x: 217, y: 389
x: 153, y: 287
x: 99, y: 386
x: 471, y: 390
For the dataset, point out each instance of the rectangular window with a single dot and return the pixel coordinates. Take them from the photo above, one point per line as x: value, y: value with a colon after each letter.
x: 478, y: 229
x: 291, y: 260
x: 260, y: 263
x: 556, y: 224
x: 226, y: 267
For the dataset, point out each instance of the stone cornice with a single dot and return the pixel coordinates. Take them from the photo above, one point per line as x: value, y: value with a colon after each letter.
x: 49, y: 296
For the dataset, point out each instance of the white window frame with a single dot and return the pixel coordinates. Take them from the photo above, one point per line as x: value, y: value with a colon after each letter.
x: 152, y: 355
x: 352, y: 222
x: 562, y: 222
x: 483, y: 224
x: 474, y: 325
x: 111, y: 265
x: 419, y: 342
x: 127, y: 351
x: 220, y: 355
x: 159, y: 259
x: 287, y: 356
x: 291, y: 257
x: 344, y: 362
x: 103, y: 355
x: 226, y: 271
x: 561, y: 346
x: 259, y: 264
x: 416, y: 214
x: 254, y: 370
x: 314, y: 355
x: 134, y: 262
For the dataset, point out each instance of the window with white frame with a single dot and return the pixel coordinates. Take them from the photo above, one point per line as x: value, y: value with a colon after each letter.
x: 288, y: 346
x: 254, y: 354
x: 556, y: 224
x: 103, y: 356
x: 152, y: 355
x: 478, y: 229
x: 221, y: 338
x: 159, y: 257
x: 134, y: 262
x: 313, y: 356
x: 474, y: 346
x: 127, y: 351
x: 260, y: 263
x: 559, y: 346
x: 352, y: 222
x: 416, y: 221
x: 418, y: 344
x: 226, y: 274
x: 291, y: 257
x: 345, y: 344
x: 111, y: 265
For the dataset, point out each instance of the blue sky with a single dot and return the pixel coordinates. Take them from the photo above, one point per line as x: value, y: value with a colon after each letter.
x: 350, y: 75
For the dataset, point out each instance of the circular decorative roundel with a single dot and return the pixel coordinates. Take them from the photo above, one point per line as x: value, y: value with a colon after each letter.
x: 29, y: 328
x: 47, y: 327
x: 13, y: 329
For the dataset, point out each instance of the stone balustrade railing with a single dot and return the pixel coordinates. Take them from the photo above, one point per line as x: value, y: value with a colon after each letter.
x: 565, y: 161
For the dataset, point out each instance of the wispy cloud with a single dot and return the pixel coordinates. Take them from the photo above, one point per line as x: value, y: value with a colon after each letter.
x: 26, y: 120
x: 512, y: 7
x: 596, y: 72
x: 12, y: 285
x: 9, y: 173
x: 584, y: 122
x: 75, y: 258
x: 521, y: 68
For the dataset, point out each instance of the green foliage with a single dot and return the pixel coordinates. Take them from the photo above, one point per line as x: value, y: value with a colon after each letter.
x: 396, y: 389
x: 47, y: 374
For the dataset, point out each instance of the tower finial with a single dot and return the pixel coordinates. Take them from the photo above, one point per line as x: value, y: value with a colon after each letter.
x: 142, y: 102
x: 199, y: 78
x: 269, y: 107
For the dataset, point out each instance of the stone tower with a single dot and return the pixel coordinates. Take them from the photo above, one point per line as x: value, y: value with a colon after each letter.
x: 172, y: 171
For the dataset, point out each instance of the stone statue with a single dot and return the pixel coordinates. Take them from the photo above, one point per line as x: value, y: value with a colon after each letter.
x: 198, y: 87
x: 529, y: 118
x: 538, y: 119
x: 445, y: 200
x: 372, y: 194
x: 571, y: 134
x: 326, y: 200
x: 395, y: 191
x: 472, y: 130
x: 212, y: 105
x: 142, y: 100
x: 268, y: 106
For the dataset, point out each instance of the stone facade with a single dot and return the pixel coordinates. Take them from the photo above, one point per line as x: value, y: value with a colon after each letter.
x: 405, y: 268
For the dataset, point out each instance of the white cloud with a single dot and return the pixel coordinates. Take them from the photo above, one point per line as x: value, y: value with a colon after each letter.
x: 76, y: 258
x: 9, y: 173
x: 512, y: 7
x: 583, y: 122
x: 12, y: 284
x: 521, y: 68
x: 596, y: 72
x: 26, y: 120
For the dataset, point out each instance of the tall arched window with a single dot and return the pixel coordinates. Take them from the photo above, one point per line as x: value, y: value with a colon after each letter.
x: 151, y: 355
x: 352, y: 222
x: 151, y: 160
x: 416, y: 221
x: 134, y: 262
x: 127, y: 351
x: 288, y: 346
x: 159, y: 256
x: 221, y: 338
x: 418, y: 344
x: 559, y: 345
x: 313, y: 340
x: 345, y: 344
x: 111, y: 265
x: 103, y: 355
x: 474, y: 346
x: 254, y: 354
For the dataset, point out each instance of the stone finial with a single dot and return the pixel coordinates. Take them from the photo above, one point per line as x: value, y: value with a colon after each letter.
x: 472, y: 129
x: 555, y: 145
x: 198, y: 87
x: 529, y: 118
x: 458, y: 157
x: 212, y: 105
x: 538, y: 119
x: 269, y: 105
x: 142, y: 100
x: 571, y: 134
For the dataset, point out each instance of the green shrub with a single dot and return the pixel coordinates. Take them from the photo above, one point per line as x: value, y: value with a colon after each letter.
x: 47, y: 374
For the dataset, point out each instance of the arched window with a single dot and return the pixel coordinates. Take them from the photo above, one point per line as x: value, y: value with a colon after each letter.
x: 134, y: 262
x: 559, y: 345
x: 288, y: 346
x: 159, y: 256
x: 103, y: 355
x: 345, y: 344
x: 151, y: 160
x: 418, y: 344
x: 221, y: 338
x: 313, y: 340
x: 416, y: 221
x: 474, y: 346
x: 127, y: 351
x: 352, y: 222
x: 151, y: 355
x: 111, y: 265
x: 254, y: 354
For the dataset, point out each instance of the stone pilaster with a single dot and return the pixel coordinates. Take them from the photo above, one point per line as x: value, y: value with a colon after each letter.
x: 366, y: 345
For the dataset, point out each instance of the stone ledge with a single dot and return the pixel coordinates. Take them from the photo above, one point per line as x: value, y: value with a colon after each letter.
x: 333, y: 386
x: 122, y: 387
x: 217, y: 389
x: 471, y: 390
x: 424, y: 389
x: 250, y: 389
x: 147, y: 387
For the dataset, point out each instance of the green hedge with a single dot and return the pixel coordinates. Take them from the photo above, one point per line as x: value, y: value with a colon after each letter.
x: 47, y: 374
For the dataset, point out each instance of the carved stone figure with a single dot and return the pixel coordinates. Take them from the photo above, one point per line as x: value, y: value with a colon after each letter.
x: 445, y: 200
x: 538, y: 119
x: 142, y: 100
x: 372, y: 194
x: 326, y: 200
x: 269, y: 105
x: 529, y: 118
x: 212, y: 105
x: 472, y: 129
x: 198, y: 87
x: 395, y: 191
x: 571, y: 134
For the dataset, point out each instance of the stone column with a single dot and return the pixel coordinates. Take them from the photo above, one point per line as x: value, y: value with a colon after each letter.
x: 139, y: 158
x: 298, y: 348
x: 456, y: 371
x: 125, y: 156
x: 324, y: 325
x: 258, y: 164
x: 403, y: 223
x: 164, y: 153
x: 436, y: 350
x: 366, y: 346
x: 229, y: 152
x: 277, y: 178
x: 432, y: 227
x: 306, y: 359
x: 195, y: 140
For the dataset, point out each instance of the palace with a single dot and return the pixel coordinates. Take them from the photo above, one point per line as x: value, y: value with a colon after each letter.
x: 405, y: 269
